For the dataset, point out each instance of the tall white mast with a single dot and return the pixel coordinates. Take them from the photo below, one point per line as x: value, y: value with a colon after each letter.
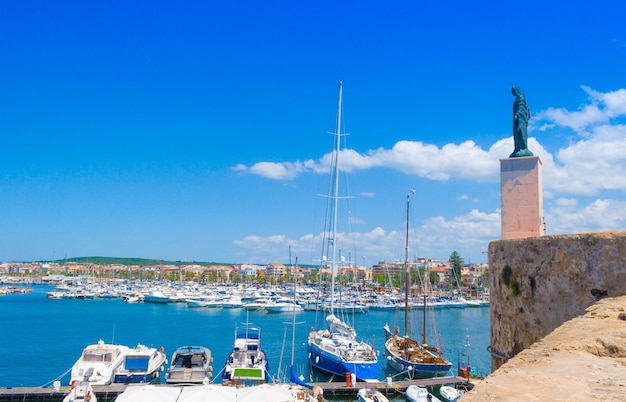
x: 335, y: 166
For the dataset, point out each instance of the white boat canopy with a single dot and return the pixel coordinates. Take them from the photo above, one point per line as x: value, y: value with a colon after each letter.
x: 149, y: 393
x: 204, y: 393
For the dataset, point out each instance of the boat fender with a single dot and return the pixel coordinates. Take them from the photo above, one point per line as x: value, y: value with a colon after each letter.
x: 162, y: 349
x: 88, y: 397
x: 72, y: 384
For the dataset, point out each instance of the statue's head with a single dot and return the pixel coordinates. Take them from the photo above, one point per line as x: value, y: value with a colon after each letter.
x: 517, y: 91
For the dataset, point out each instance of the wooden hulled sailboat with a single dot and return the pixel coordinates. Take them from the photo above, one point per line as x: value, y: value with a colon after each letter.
x: 405, y: 354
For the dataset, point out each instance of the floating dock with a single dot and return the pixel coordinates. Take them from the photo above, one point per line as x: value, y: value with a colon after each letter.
x: 331, y: 389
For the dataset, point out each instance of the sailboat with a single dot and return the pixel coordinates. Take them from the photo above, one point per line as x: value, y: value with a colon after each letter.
x: 335, y: 350
x: 405, y: 354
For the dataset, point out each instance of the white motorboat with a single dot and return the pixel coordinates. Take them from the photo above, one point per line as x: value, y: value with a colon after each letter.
x: 156, y: 296
x: 449, y: 393
x: 247, y: 363
x: 141, y: 364
x: 98, y: 363
x: 371, y: 395
x: 232, y: 302
x: 260, y: 303
x: 350, y: 308
x: 283, y: 306
x: 190, y: 365
x: 81, y: 392
x: 198, y: 302
x: 416, y: 393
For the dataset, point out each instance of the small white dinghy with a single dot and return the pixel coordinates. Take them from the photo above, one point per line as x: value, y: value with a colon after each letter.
x: 449, y: 393
x: 420, y: 394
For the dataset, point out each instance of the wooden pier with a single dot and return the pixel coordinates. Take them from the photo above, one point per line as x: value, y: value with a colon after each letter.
x: 103, y: 392
x: 331, y: 389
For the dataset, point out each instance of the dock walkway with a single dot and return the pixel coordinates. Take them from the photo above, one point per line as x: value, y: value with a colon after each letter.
x: 339, y: 388
x: 103, y: 392
x: 331, y: 389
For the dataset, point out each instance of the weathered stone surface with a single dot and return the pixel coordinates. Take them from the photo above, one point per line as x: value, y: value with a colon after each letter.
x: 521, y: 196
x: 583, y: 359
x: 537, y: 284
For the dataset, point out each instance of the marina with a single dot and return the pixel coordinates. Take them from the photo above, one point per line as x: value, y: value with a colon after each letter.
x: 42, y: 322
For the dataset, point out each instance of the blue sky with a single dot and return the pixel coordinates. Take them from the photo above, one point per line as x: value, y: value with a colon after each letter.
x: 199, y: 130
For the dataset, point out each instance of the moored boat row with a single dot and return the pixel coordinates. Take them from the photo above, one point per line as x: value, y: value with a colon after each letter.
x: 260, y: 298
x: 102, y: 364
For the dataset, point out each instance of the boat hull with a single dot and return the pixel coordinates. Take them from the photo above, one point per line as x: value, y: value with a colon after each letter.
x: 416, y: 370
x: 283, y: 308
x: 156, y: 297
x: 331, y: 363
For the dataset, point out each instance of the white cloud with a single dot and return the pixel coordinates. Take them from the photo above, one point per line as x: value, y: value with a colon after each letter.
x: 273, y: 170
x: 473, y: 229
x: 462, y: 161
x: 576, y: 120
x: 592, y: 163
x: 567, y: 215
x: 595, y: 162
x: 602, y: 108
x: 468, y: 234
x: 254, y: 242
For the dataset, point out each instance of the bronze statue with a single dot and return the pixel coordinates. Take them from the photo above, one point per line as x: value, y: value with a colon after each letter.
x: 521, y: 114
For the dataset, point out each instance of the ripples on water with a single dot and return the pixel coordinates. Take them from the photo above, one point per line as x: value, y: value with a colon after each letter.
x: 42, y: 338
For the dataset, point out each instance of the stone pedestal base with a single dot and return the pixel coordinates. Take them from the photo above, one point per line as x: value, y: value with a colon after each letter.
x: 522, y: 198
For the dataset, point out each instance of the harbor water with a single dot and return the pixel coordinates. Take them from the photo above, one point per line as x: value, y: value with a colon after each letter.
x: 42, y: 338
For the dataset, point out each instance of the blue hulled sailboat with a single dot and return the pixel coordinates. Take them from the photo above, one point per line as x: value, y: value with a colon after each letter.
x: 336, y: 350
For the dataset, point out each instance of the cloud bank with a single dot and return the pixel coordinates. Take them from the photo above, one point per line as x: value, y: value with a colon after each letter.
x: 580, y: 179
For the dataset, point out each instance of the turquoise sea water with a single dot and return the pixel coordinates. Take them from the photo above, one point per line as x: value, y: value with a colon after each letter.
x: 42, y: 338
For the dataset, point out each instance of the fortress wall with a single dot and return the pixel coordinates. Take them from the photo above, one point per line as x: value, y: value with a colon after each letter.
x: 538, y: 283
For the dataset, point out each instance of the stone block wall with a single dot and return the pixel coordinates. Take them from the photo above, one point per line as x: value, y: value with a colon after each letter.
x: 538, y: 283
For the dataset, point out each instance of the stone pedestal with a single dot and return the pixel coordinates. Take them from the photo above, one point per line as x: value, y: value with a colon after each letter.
x: 522, y: 198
